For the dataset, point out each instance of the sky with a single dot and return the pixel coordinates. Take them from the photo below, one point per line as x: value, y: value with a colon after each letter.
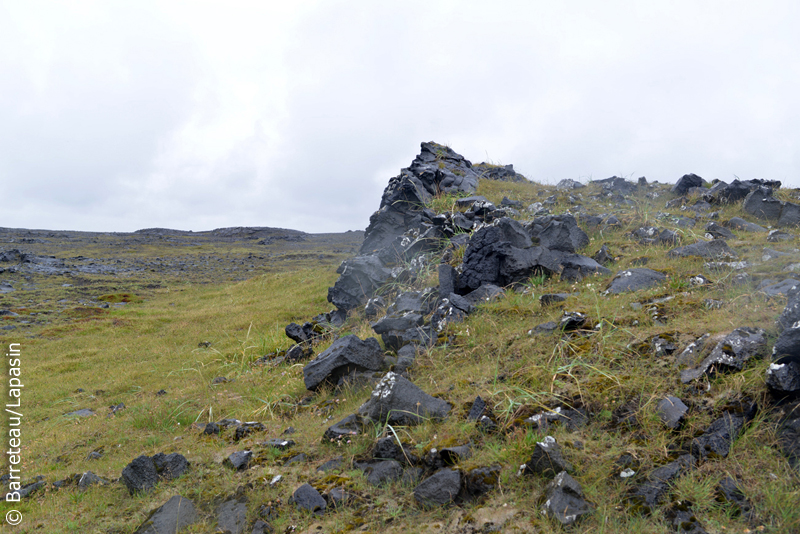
x: 117, y: 116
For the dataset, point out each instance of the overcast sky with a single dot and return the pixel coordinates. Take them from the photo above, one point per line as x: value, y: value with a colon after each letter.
x: 116, y: 116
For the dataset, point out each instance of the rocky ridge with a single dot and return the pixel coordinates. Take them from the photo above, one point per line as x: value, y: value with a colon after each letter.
x: 485, y: 255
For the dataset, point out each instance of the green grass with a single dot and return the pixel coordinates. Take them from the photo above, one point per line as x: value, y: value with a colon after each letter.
x: 178, y: 334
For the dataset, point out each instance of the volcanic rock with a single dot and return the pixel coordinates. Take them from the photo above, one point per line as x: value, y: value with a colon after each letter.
x: 171, y: 517
x: 730, y: 354
x: 565, y: 500
x: 396, y: 401
x: 634, y: 280
x: 307, y: 498
x: 439, y: 489
x: 345, y: 355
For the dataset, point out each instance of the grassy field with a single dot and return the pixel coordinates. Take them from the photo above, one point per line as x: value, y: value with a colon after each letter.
x: 179, y: 335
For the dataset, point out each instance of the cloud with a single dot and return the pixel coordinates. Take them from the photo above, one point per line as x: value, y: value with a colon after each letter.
x: 201, y: 115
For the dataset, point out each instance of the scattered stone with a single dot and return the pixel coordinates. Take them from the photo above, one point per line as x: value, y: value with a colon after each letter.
x: 634, y: 280
x: 603, y: 256
x: 650, y: 493
x: 683, y: 520
x: 564, y: 500
x: 567, y: 184
x: 549, y: 299
x: 477, y: 410
x: 451, y: 456
x: 232, y: 517
x: 245, y: 429
x: 699, y: 280
x: 762, y: 205
x: 478, y: 482
x: 740, y: 224
x: 571, y: 321
x: 170, y: 466
x: 307, y: 498
x: 140, y: 475
x: 211, y: 429
x: 85, y: 412
x: 685, y: 183
x: 729, y: 492
x: 352, y: 425
x: 571, y: 419
x: 383, y: 472
x: 298, y: 353
x: 171, y: 517
x: 239, y: 460
x: 776, y: 236
x: 783, y: 378
x: 279, y: 444
x: 439, y: 489
x: 715, y: 250
x: 261, y: 527
x: 395, y: 400
x: 90, y: 479
x: 730, y: 354
x: 672, y: 410
x: 345, y: 355
x: 545, y: 328
x: 547, y: 459
x: 718, y: 232
x: 718, y: 438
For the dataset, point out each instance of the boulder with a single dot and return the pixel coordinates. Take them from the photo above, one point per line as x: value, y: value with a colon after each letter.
x: 546, y: 459
x: 558, y: 232
x: 564, y: 500
x: 479, y: 481
x: 783, y: 378
x: 307, y: 498
x: 576, y: 267
x: 718, y: 438
x: 568, y: 184
x: 359, y: 278
x: 715, y: 249
x: 140, y: 475
x: 790, y: 215
x: 502, y: 255
x: 772, y: 288
x: 170, y: 466
x: 791, y: 313
x: 439, y: 489
x: 604, y: 256
x: 503, y: 173
x: 634, y: 280
x: 740, y: 224
x: 728, y: 491
x: 562, y: 233
x: 651, y: 492
x: 238, y: 461
x: 397, y: 401
x: 232, y: 517
x: 383, y: 472
x: 171, y: 517
x: 730, y: 354
x: 671, y: 410
x: 685, y: 183
x: 762, y: 205
x: 437, y: 169
x: 718, y: 232
x: 345, y: 355
x: 352, y: 425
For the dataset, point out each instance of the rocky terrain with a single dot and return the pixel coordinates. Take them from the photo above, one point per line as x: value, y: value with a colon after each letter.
x: 501, y: 356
